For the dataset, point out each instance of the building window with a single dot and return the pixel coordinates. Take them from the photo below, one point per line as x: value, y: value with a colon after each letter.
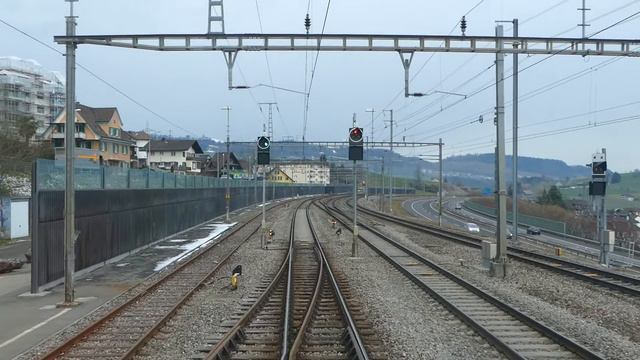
x: 114, y: 132
x: 103, y: 146
x: 40, y: 109
x: 126, y: 150
x: 161, y: 153
x: 173, y: 153
x: 60, y: 128
x: 114, y: 148
x: 80, y: 128
x: 195, y: 165
x: 58, y: 143
x: 40, y: 95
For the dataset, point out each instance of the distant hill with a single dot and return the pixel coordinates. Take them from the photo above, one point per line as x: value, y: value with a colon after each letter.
x: 476, y: 170
x: 483, y: 164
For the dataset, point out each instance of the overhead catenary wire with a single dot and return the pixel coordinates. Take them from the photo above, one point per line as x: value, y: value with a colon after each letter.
x: 482, y: 89
x: 547, y: 133
x: 401, y: 91
x: 313, y: 73
x: 101, y: 79
x: 273, y: 91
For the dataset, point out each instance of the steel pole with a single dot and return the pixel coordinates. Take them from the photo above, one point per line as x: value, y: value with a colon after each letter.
x: 441, y: 184
x: 381, y: 199
x: 499, y: 264
x: 391, y: 165
x: 264, y: 202
x: 514, y: 186
x: 70, y: 143
x: 354, y: 241
x: 227, y: 195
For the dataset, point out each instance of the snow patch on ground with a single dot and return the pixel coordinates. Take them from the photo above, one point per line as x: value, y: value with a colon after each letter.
x: 217, y: 230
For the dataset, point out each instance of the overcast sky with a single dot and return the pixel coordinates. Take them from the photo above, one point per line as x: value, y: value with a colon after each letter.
x: 190, y: 88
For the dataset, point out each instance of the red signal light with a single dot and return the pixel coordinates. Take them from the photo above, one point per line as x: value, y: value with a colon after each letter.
x: 355, y: 134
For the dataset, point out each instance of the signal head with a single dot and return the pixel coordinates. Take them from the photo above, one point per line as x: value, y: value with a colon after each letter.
x: 355, y: 134
x: 264, y: 143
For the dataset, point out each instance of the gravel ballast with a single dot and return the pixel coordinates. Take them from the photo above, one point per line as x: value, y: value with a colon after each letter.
x: 605, y: 321
x: 411, y: 324
x: 57, y: 339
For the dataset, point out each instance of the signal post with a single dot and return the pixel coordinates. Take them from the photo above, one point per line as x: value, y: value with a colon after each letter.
x: 598, y: 191
x: 264, y: 158
x: 356, y: 149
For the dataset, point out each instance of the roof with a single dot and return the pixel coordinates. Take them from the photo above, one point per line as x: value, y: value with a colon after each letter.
x: 140, y: 135
x: 175, y: 145
x: 96, y: 115
x: 277, y: 170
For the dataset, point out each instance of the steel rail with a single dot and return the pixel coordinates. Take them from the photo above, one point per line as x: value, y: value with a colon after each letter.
x: 226, y: 345
x: 295, y: 347
x: 511, y: 353
x: 79, y: 337
x: 359, y: 348
x: 630, y: 285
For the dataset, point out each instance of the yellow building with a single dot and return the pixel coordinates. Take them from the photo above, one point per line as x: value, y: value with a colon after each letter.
x: 99, y: 136
x: 279, y: 176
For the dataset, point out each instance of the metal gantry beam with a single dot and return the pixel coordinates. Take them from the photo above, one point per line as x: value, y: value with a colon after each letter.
x: 371, y: 144
x: 404, y: 44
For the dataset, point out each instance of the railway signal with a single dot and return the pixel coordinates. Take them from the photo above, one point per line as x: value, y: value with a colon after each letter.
x: 598, y: 191
x: 356, y: 144
x: 264, y: 150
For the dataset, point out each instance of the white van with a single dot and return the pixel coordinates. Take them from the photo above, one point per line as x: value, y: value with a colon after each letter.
x: 472, y: 227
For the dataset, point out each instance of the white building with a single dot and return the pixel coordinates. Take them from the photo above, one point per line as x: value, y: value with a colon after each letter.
x: 28, y: 90
x: 307, y: 171
x: 179, y: 155
x: 139, y: 154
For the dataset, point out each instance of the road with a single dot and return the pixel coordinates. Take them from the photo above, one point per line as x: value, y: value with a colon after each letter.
x: 427, y: 208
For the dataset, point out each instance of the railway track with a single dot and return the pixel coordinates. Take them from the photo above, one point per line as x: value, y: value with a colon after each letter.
x: 510, y: 331
x: 125, y: 329
x: 303, y: 313
x: 611, y: 280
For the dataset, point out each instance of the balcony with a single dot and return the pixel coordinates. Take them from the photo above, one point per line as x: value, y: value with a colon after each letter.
x: 78, y: 135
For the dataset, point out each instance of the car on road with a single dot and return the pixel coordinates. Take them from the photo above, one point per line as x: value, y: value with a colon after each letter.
x: 472, y: 227
x: 458, y: 206
x: 532, y: 230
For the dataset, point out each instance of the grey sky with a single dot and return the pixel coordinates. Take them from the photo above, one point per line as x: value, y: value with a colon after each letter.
x: 190, y: 88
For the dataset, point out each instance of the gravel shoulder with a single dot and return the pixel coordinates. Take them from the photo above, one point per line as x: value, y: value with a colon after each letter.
x: 410, y: 323
x: 603, y: 320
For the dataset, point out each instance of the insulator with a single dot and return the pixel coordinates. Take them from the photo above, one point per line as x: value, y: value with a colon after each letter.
x: 307, y: 23
x: 463, y: 25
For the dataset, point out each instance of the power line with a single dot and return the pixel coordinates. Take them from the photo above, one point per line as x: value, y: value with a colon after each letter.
x: 313, y: 73
x: 266, y: 58
x: 101, y: 79
x: 628, y: 18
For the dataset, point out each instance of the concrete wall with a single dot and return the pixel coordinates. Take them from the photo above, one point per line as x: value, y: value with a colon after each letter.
x: 114, y: 222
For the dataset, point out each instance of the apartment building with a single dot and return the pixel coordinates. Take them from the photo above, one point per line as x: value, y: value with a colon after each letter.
x: 306, y: 171
x: 99, y: 136
x: 28, y: 90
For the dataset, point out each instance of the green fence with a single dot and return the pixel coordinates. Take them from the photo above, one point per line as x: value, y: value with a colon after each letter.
x: 50, y: 175
x: 526, y: 220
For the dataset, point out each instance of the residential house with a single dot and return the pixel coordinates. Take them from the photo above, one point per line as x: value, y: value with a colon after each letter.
x: 176, y: 155
x: 139, y: 154
x: 307, y: 171
x: 98, y: 133
x: 216, y: 165
x: 279, y: 176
